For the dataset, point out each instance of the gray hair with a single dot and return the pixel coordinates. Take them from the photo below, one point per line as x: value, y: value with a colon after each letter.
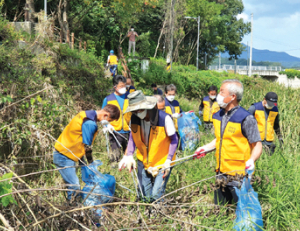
x: 159, y: 98
x: 235, y: 86
x: 170, y: 87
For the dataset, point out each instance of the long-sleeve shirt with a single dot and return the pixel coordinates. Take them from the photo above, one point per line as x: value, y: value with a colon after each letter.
x: 211, y: 102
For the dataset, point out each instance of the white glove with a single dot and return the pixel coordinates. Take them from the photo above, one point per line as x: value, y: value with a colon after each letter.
x: 250, y: 165
x: 203, y: 147
x: 130, y: 163
x: 123, y: 163
x: 176, y: 115
x: 107, y: 64
x: 110, y: 128
x: 166, y: 165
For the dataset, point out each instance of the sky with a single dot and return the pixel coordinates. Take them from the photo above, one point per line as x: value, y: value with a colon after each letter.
x: 276, y: 25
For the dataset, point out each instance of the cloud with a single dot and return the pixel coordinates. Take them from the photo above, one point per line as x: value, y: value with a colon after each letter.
x: 276, y: 25
x: 243, y: 16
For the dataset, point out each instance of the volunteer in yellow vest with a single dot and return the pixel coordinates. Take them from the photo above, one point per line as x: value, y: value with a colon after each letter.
x: 266, y: 114
x: 153, y: 134
x: 112, y: 60
x: 129, y: 86
x: 238, y: 144
x: 118, y: 130
x: 172, y: 106
x: 76, y: 141
x: 208, y: 107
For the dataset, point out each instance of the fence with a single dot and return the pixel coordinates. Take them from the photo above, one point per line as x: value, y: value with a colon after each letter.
x: 238, y: 67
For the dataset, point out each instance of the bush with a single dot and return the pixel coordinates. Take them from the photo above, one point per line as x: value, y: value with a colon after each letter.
x: 290, y: 73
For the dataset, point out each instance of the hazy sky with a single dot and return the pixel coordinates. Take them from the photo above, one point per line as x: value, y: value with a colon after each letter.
x: 276, y: 24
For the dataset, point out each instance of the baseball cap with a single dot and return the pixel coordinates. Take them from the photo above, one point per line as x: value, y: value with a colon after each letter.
x: 271, y: 98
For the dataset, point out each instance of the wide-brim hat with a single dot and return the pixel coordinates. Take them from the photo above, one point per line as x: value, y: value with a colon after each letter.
x: 138, y: 101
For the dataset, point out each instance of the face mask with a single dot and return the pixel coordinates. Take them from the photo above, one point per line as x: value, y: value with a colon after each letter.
x: 268, y: 107
x: 132, y: 29
x: 142, y: 115
x: 104, y: 122
x: 170, y: 97
x: 128, y: 86
x: 212, y: 96
x: 220, y: 101
x: 122, y: 91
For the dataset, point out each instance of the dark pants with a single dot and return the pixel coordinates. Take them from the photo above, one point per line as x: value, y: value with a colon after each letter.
x: 116, y: 150
x: 179, y: 145
x: 113, y: 69
x: 227, y: 197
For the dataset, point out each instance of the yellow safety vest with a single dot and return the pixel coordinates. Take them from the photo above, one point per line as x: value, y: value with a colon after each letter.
x: 172, y: 109
x: 208, y: 110
x: 233, y: 148
x: 158, y: 149
x: 113, y: 60
x: 71, y: 138
x: 123, y: 121
x: 265, y: 127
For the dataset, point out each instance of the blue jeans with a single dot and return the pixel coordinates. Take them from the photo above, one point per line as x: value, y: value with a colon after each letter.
x: 153, y: 187
x: 68, y: 174
x: 113, y: 69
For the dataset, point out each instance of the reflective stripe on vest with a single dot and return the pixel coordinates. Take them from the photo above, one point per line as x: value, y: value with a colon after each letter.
x: 123, y: 121
x: 71, y: 138
x: 233, y: 148
x: 113, y: 60
x: 157, y: 151
x: 172, y: 109
x: 263, y: 124
x: 209, y: 111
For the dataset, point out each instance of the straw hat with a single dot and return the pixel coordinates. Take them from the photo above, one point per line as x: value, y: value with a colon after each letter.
x: 138, y: 101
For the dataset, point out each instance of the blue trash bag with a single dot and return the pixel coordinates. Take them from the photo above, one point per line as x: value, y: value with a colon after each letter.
x: 188, y: 128
x: 248, y: 211
x: 105, y: 185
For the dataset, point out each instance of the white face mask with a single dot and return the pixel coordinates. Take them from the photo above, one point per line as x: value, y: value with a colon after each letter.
x: 142, y: 115
x: 128, y: 86
x: 220, y: 101
x: 122, y: 91
x: 170, y: 97
x: 132, y: 29
x: 268, y: 107
x: 104, y: 122
x: 212, y: 96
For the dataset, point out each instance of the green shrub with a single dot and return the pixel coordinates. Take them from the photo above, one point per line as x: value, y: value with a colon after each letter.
x: 290, y: 73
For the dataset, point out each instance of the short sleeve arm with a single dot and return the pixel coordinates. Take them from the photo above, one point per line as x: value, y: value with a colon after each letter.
x: 251, y: 109
x: 89, y: 128
x: 169, y: 126
x: 250, y: 129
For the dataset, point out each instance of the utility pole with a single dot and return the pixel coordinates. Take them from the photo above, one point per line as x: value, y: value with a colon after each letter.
x: 198, y: 21
x: 219, y: 60
x: 247, y: 58
x: 251, y: 45
x: 172, y: 29
x: 45, y: 9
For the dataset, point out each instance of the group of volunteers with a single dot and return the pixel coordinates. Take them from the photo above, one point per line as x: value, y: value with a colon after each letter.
x: 147, y: 126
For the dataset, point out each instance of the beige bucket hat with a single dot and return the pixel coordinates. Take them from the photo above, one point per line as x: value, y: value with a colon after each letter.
x: 138, y: 101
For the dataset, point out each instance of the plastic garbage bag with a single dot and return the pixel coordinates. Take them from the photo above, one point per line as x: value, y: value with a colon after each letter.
x: 98, y: 183
x: 248, y: 211
x: 188, y: 128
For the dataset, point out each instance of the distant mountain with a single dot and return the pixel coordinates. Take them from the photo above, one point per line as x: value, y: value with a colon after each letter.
x: 285, y: 59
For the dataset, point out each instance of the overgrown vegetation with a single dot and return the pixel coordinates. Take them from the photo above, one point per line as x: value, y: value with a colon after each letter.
x: 41, y: 92
x: 291, y: 73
